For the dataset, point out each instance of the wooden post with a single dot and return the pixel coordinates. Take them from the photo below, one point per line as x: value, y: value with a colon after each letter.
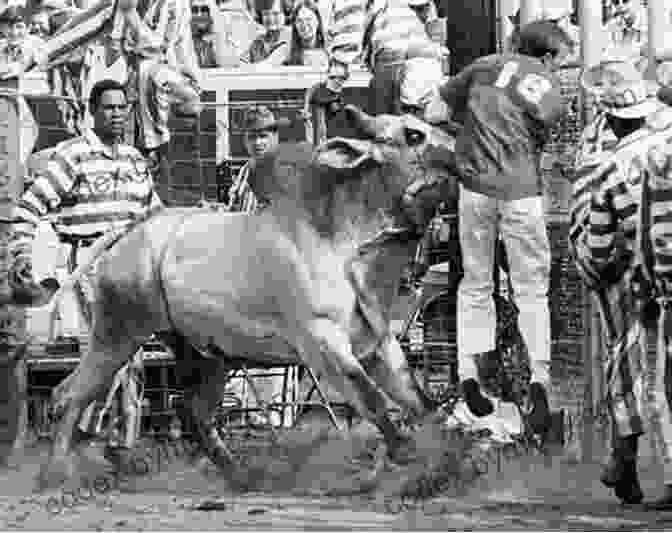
x: 590, y: 23
x: 17, y: 135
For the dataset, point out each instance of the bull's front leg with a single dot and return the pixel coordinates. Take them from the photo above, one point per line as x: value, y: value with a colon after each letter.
x: 348, y: 376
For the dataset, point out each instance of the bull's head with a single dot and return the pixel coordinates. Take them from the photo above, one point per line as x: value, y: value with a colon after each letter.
x: 395, y: 158
x: 426, y: 152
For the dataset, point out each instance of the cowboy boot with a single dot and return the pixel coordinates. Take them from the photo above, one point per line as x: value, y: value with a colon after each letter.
x: 620, y: 472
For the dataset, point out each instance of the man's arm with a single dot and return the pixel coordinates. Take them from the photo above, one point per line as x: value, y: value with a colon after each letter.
x: 44, y: 195
x: 612, y: 226
x: 455, y: 91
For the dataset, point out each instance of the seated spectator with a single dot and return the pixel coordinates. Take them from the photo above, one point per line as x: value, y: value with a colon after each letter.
x: 308, y: 45
x: 271, y: 47
x: 17, y: 50
x: 209, y: 34
x: 40, y: 24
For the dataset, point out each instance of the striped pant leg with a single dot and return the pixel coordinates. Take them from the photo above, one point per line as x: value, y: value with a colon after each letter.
x: 626, y: 380
x: 662, y: 414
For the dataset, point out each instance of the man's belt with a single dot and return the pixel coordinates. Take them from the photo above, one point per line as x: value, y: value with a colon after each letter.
x: 80, y: 241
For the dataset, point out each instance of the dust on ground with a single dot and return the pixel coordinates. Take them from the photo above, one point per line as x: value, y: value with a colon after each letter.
x: 313, y: 489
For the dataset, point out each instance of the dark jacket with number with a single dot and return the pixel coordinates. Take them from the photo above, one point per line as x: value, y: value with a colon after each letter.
x: 507, y: 104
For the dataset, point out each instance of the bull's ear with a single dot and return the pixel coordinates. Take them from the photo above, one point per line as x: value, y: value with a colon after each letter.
x: 279, y: 173
x: 347, y: 154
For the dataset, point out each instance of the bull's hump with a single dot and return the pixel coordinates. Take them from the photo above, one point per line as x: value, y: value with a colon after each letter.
x: 282, y: 172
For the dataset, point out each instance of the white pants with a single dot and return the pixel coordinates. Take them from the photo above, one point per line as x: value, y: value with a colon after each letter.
x: 68, y: 310
x: 522, y: 227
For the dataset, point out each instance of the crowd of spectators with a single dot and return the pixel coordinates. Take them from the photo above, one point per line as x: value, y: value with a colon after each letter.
x: 226, y: 33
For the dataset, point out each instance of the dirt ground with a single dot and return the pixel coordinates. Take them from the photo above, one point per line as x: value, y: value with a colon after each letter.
x: 525, y: 493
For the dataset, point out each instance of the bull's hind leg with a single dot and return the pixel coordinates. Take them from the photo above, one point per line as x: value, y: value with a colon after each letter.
x: 94, y: 375
x: 203, y: 381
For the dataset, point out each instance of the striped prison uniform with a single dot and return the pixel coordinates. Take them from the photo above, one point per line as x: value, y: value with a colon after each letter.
x: 90, y: 190
x: 606, y: 201
x: 241, y: 195
x: 385, y: 35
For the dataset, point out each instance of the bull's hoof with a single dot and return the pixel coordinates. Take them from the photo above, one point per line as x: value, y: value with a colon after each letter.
x: 55, y: 473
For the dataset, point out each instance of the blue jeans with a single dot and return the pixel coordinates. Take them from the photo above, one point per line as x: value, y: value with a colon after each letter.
x: 521, y: 225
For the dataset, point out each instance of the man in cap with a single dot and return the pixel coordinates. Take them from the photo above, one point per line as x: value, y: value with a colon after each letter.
x: 613, y: 167
x: 260, y: 136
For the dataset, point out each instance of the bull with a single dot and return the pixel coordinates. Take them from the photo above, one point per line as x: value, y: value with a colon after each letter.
x: 312, y: 273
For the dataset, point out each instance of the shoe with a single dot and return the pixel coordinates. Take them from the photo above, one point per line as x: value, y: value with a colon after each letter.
x: 539, y: 418
x: 34, y: 294
x: 477, y: 403
x: 628, y: 489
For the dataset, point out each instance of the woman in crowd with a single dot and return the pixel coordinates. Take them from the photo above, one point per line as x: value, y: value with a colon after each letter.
x: 272, y: 47
x: 307, y: 46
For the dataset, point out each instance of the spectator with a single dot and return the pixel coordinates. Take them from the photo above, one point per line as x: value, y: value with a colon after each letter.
x: 289, y: 9
x: 160, y: 48
x: 260, y: 127
x: 209, y: 34
x: 562, y: 16
x: 272, y: 47
x: 18, y: 49
x: 40, y: 24
x: 308, y: 45
x: 626, y: 32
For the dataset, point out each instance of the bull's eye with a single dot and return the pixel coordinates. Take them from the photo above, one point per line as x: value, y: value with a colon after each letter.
x: 414, y: 137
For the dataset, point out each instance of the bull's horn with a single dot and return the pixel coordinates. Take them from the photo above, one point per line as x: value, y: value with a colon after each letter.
x: 365, y: 124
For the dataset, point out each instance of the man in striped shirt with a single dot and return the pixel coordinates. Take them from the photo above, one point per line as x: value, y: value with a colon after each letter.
x: 91, y: 185
x: 608, y: 237
x: 386, y: 35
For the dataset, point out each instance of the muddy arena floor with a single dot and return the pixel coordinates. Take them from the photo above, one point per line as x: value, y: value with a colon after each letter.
x: 323, y: 492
